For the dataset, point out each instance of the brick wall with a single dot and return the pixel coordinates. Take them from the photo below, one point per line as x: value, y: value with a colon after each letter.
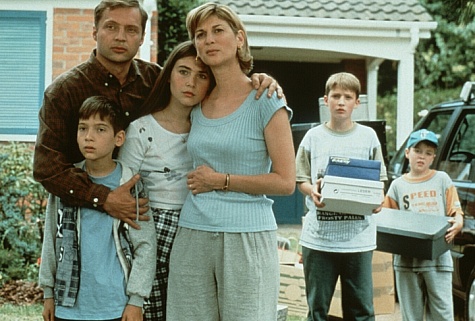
x: 72, y: 38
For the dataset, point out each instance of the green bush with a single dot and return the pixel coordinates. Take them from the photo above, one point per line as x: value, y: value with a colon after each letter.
x: 22, y: 209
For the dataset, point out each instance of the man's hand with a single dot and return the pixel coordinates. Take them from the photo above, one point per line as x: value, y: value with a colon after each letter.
x: 132, y: 313
x: 48, y: 309
x: 262, y: 81
x: 122, y: 205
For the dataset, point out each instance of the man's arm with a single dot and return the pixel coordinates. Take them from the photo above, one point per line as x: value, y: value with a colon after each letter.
x: 55, y: 151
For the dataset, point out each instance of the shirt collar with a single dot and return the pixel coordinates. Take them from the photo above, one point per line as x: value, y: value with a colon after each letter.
x: 100, y: 72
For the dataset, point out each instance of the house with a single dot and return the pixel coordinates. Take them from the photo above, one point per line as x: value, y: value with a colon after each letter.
x: 299, y: 42
x: 39, y: 40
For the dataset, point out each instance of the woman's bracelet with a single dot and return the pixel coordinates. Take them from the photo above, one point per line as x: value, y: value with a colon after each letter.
x: 226, y: 183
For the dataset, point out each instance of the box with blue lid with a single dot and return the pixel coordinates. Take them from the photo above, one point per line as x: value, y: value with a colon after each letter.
x: 411, y: 234
x: 354, y: 168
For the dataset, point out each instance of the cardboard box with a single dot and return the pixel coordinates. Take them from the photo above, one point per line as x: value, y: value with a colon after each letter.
x: 411, y: 234
x: 353, y: 168
x: 351, y: 195
x: 292, y: 288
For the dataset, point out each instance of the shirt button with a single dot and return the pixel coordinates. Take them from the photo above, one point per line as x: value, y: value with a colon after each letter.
x: 94, y: 205
x: 71, y: 191
x: 127, y: 114
x: 110, y: 76
x: 120, y: 90
x: 96, y: 200
x: 106, y: 84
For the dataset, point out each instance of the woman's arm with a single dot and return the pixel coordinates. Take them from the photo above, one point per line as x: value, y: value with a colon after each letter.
x: 280, y: 181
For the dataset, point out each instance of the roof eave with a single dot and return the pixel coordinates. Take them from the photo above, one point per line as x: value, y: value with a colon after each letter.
x: 337, y: 27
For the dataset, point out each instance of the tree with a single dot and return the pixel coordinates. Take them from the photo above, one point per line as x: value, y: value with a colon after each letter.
x: 171, y: 25
x: 447, y: 60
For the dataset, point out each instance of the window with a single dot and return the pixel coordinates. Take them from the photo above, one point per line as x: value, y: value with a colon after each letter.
x: 22, y: 65
x: 461, y: 156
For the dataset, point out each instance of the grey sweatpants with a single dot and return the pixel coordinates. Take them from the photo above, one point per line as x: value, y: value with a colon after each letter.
x: 223, y: 276
x: 425, y: 293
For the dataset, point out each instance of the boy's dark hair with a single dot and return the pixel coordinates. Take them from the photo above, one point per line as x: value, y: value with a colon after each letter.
x: 106, y: 109
x: 344, y: 80
x: 114, y: 4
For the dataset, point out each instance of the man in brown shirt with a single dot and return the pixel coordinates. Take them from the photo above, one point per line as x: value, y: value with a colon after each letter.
x: 111, y: 71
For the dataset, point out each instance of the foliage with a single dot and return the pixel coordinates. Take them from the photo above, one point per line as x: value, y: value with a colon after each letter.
x: 171, y: 24
x: 22, y: 207
x: 447, y: 59
x: 424, y: 99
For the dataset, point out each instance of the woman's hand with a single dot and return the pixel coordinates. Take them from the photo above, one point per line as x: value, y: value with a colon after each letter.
x: 204, y: 179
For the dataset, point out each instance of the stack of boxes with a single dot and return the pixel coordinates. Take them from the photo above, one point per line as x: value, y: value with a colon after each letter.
x: 350, y: 186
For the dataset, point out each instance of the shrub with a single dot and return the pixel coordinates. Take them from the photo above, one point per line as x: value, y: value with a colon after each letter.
x: 22, y: 209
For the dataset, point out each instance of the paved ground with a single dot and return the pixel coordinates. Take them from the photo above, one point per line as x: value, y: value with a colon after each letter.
x: 292, y: 232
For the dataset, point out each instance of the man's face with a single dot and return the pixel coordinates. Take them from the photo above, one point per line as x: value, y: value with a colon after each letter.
x: 119, y: 36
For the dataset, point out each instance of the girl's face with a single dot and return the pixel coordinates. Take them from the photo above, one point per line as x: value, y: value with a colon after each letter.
x: 189, y: 81
x: 216, y: 42
x: 420, y: 157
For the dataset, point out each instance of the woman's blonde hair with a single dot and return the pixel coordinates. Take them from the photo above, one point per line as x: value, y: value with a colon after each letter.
x: 203, y: 12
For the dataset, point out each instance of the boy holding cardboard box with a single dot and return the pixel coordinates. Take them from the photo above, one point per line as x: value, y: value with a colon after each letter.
x: 425, y: 286
x: 337, y: 244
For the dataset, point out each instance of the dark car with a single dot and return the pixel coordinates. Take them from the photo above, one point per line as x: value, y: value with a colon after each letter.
x: 454, y: 124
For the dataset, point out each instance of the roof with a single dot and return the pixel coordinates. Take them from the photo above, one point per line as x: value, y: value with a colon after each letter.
x: 378, y: 10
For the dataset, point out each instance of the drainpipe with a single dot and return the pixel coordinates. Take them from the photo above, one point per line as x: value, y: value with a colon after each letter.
x: 372, y: 80
x: 405, y: 91
x: 150, y: 6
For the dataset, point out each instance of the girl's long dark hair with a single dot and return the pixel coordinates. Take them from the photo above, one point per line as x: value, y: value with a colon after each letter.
x: 160, y: 95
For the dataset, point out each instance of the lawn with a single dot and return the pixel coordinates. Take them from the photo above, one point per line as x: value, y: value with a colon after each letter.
x: 32, y: 312
x: 13, y: 312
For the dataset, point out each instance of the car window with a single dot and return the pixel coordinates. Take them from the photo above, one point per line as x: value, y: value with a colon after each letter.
x: 435, y: 122
x: 460, y: 159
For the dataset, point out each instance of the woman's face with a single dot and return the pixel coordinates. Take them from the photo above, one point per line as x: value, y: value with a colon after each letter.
x: 216, y: 42
x: 189, y: 81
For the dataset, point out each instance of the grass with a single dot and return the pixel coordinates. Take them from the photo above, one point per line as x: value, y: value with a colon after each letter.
x: 12, y: 312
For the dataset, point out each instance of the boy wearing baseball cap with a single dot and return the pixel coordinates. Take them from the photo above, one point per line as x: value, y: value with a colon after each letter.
x: 425, y: 286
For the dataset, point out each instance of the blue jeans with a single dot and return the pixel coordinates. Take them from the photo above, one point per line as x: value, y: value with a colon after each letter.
x: 321, y: 271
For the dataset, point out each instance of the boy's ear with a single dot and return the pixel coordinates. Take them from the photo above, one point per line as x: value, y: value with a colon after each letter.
x: 357, y: 103
x: 325, y: 99
x: 120, y: 138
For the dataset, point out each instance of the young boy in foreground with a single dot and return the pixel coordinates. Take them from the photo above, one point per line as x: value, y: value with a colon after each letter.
x: 333, y: 247
x: 424, y: 287
x: 93, y: 266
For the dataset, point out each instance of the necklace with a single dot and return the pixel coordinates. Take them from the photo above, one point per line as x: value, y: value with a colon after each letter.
x: 184, y: 137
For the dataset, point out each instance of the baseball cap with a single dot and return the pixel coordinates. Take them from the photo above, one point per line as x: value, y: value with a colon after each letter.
x: 422, y: 135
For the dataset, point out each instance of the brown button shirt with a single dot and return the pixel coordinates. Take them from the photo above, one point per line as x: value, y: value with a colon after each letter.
x: 56, y: 147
